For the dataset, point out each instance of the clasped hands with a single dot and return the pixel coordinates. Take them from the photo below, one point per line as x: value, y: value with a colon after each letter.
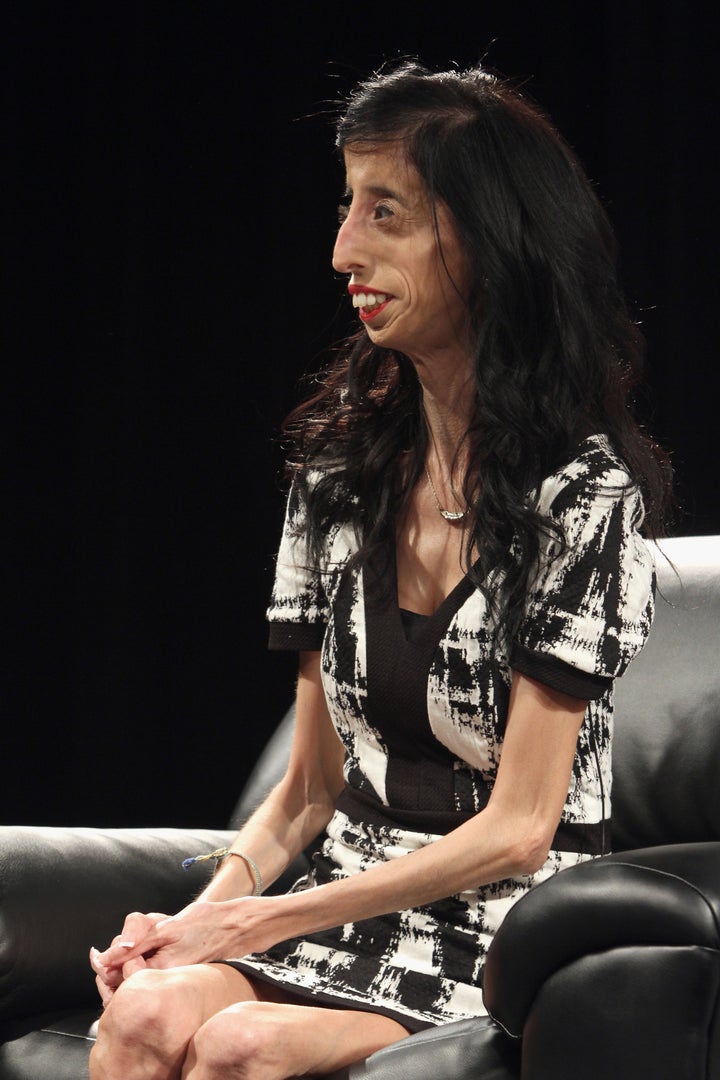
x: 203, y: 932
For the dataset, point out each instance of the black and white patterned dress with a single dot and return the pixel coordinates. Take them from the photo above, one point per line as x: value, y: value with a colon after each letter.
x: 421, y: 704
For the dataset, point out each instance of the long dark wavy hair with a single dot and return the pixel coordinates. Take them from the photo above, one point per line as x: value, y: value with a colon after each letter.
x: 556, y: 352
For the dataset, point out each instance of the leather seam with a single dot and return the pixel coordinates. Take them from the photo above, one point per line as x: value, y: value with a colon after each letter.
x: 672, y: 877
x: 67, y: 1035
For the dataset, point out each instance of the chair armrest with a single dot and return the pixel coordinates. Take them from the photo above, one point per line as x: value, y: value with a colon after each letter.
x: 63, y: 890
x: 473, y: 1049
x: 655, y: 896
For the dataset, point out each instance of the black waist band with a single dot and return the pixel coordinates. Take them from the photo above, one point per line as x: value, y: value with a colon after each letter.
x: 590, y: 838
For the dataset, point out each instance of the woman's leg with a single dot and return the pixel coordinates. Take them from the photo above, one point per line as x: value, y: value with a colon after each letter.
x: 260, y: 1040
x: 145, y: 1030
x: 211, y: 1021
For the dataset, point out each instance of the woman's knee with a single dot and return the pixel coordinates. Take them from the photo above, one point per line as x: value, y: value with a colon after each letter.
x: 243, y: 1040
x: 145, y: 1008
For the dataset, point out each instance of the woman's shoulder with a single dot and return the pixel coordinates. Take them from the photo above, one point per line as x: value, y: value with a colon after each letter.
x: 595, y: 457
x: 595, y: 470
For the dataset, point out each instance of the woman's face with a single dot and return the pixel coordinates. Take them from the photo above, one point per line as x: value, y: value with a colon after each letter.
x: 408, y: 289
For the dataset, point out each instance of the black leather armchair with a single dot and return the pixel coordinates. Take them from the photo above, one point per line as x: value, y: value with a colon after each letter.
x: 609, y: 970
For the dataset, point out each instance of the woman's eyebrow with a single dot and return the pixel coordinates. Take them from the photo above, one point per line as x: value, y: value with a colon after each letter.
x: 378, y: 191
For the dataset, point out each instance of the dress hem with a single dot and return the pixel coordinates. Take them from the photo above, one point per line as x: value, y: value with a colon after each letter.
x: 320, y: 997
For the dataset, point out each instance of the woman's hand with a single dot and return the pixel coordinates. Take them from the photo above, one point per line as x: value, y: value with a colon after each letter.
x: 113, y: 966
x: 203, y: 932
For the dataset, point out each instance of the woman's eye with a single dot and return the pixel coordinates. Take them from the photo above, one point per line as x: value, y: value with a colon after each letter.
x: 381, y: 211
x: 378, y: 212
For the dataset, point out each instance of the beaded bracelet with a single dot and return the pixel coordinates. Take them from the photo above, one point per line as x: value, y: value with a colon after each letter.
x: 224, y: 853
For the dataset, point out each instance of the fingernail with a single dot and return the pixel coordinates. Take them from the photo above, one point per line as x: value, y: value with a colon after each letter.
x: 126, y: 944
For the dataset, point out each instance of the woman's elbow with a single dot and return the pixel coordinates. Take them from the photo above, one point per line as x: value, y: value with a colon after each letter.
x: 530, y: 851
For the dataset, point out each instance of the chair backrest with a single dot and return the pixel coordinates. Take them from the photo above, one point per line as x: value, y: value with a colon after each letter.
x: 267, y: 772
x: 666, y: 745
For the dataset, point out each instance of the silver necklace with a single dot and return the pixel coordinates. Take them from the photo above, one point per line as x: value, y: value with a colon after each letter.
x: 449, y: 515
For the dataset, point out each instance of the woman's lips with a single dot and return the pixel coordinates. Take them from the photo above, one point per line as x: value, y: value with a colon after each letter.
x: 368, y: 313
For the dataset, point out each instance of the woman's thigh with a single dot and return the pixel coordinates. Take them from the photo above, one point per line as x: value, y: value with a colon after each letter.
x: 275, y: 1040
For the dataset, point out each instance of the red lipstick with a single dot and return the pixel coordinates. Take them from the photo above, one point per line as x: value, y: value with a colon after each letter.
x: 369, y: 313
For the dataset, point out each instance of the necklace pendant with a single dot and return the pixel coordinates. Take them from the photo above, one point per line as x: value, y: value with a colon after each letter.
x: 449, y: 515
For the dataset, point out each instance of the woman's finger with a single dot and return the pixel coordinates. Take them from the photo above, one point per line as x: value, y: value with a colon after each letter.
x: 106, y: 993
x: 111, y: 977
x: 136, y: 964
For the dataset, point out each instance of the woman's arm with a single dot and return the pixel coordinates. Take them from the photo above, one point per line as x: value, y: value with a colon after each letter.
x: 510, y: 837
x: 293, y: 814
x: 301, y: 805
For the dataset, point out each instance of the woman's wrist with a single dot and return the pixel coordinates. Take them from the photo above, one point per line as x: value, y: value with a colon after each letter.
x: 251, y: 865
x: 232, y: 880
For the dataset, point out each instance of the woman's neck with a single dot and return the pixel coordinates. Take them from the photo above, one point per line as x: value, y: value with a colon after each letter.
x: 448, y: 416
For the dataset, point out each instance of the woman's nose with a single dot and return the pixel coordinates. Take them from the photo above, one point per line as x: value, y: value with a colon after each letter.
x: 347, y: 254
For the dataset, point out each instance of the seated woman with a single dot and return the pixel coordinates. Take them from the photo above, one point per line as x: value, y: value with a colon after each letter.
x: 463, y: 574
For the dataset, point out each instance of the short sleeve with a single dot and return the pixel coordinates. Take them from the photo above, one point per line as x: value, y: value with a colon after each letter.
x: 591, y: 603
x: 298, y: 610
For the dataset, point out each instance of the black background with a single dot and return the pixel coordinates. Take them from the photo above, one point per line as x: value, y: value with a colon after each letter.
x: 169, y: 197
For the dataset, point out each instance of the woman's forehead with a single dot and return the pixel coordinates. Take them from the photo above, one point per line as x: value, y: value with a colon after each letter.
x: 386, y: 168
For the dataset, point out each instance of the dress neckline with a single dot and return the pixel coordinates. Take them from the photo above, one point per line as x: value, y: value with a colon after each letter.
x: 459, y: 585
x: 432, y: 624
x: 412, y: 623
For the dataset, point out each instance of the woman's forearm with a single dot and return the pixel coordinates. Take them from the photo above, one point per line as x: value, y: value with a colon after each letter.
x: 277, y: 832
x: 216, y: 928
x: 476, y: 853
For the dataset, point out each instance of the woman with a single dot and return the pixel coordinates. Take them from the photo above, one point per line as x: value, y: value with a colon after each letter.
x: 463, y: 575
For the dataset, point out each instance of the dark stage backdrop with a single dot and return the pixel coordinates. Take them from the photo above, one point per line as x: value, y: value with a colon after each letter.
x: 170, y: 200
